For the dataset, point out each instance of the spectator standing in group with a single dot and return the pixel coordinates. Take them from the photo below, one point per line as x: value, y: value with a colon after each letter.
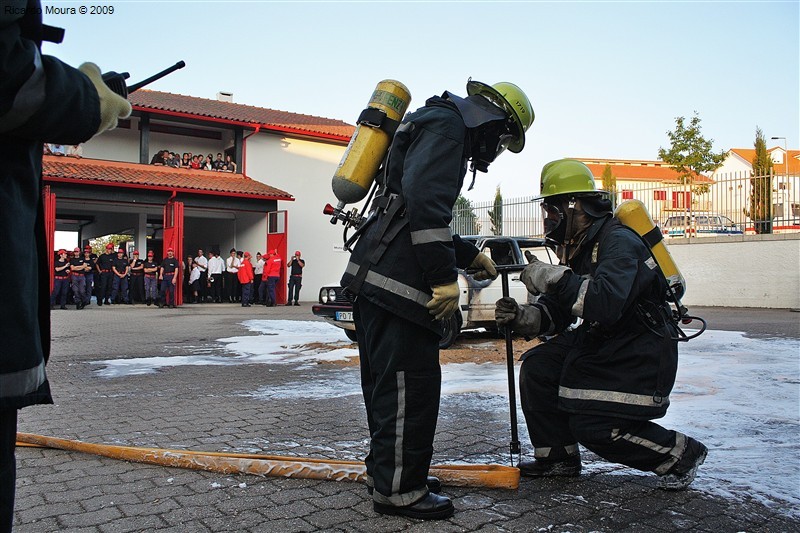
x: 188, y: 268
x: 219, y: 163
x: 91, y: 261
x: 77, y: 272
x: 272, y: 273
x: 168, y: 276
x: 193, y: 292
x: 231, y: 277
x: 60, y: 281
x: 185, y: 161
x: 245, y: 277
x: 296, y: 265
x: 202, y: 285
x: 104, y: 264
x: 258, y: 271
x: 215, y: 268
x: 121, y: 270
x: 158, y: 159
x: 137, y: 278
x: 229, y: 164
x: 209, y: 163
x: 150, y: 270
x: 196, y: 163
x: 75, y: 150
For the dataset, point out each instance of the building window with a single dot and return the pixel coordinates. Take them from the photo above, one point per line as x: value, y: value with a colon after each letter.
x: 681, y: 199
x: 659, y: 195
x: 627, y: 194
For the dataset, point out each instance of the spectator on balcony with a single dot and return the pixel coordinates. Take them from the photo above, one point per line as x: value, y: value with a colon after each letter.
x: 75, y: 150
x: 229, y: 164
x: 209, y: 163
x: 158, y: 159
x: 218, y: 162
x: 185, y: 161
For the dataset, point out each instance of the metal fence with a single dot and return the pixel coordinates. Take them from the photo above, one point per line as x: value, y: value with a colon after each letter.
x: 728, y: 195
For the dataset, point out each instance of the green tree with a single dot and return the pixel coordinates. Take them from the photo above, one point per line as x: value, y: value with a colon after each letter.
x: 760, y: 210
x: 496, y: 213
x: 465, y: 221
x: 690, y: 154
x: 99, y: 244
x: 610, y: 184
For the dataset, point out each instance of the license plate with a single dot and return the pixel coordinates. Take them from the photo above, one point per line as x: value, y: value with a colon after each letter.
x: 344, y: 316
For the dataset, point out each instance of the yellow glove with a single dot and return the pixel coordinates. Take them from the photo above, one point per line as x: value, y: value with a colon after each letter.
x: 112, y: 106
x: 485, y: 266
x: 445, y: 300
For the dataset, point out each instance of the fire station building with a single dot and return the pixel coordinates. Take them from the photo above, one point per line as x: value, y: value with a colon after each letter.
x: 273, y: 200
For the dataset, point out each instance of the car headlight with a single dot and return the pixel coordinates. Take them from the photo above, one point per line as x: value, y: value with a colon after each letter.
x: 323, y: 296
x: 331, y: 295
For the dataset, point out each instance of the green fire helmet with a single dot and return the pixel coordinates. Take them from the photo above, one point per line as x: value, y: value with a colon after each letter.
x: 513, y: 101
x: 567, y: 176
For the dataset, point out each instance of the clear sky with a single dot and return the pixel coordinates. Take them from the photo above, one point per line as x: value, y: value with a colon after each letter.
x: 606, y: 79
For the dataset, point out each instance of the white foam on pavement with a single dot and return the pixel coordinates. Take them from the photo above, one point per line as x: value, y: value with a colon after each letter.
x: 738, y: 395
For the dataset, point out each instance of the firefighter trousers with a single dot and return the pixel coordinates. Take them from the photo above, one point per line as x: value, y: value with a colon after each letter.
x: 555, y: 433
x: 401, y: 382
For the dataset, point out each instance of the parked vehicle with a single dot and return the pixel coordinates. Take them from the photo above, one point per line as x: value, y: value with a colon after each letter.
x: 699, y: 225
x: 477, y: 300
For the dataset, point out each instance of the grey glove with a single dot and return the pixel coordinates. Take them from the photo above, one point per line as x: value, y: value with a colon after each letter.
x: 540, y: 277
x: 523, y: 319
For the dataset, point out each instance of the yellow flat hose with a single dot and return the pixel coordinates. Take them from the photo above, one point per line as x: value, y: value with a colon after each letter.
x: 489, y: 476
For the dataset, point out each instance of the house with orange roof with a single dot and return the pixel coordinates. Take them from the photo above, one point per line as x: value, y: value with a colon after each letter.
x: 655, y: 183
x: 732, y: 179
x: 273, y: 199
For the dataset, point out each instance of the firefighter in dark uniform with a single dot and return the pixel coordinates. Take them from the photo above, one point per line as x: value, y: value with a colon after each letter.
x: 119, y: 288
x: 77, y: 272
x: 104, y: 265
x: 403, y: 273
x: 150, y: 279
x: 91, y: 261
x: 60, y: 280
x: 601, y: 383
x: 43, y: 99
x: 168, y: 275
x: 137, y: 278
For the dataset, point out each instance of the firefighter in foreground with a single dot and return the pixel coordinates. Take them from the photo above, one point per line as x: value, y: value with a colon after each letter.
x: 43, y: 99
x: 602, y: 383
x: 404, y: 279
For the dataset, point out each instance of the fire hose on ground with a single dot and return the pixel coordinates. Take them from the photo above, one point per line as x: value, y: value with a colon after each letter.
x: 459, y: 475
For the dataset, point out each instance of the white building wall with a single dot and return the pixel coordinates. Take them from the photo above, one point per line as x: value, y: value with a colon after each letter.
x: 740, y: 271
x: 304, y: 169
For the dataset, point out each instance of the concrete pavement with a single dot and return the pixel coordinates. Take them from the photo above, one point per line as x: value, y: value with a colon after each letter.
x: 212, y: 408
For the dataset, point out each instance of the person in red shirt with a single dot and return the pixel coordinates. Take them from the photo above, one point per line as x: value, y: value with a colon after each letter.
x: 272, y: 274
x: 246, y: 276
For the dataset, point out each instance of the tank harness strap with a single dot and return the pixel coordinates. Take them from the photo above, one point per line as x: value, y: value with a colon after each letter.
x: 653, y: 236
x: 392, y: 206
x: 377, y: 118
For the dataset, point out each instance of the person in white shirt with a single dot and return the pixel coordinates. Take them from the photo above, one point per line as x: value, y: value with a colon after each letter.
x: 194, y: 282
x: 232, y: 287
x: 215, y: 268
x: 202, y: 264
x: 258, y: 271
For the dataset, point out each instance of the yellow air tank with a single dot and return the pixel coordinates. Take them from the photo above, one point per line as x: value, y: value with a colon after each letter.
x: 368, y: 146
x: 633, y: 214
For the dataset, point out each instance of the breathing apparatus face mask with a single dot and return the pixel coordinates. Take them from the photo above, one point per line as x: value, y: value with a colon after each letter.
x: 555, y: 225
x: 487, y: 142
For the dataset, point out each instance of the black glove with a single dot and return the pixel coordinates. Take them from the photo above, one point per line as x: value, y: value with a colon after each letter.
x: 523, y: 319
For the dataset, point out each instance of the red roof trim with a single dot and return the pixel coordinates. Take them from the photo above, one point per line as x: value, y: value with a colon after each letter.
x: 195, y: 117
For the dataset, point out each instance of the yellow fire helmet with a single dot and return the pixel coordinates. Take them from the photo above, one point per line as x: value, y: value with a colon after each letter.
x: 513, y: 101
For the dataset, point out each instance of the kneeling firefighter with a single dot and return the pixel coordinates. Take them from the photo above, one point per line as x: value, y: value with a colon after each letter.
x: 403, y: 275
x: 602, y: 383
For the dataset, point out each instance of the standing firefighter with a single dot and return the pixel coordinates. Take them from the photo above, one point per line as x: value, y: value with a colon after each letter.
x: 601, y: 383
x: 43, y: 99
x: 403, y: 275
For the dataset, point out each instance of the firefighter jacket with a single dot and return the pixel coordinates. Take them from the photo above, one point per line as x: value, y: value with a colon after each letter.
x: 407, y: 246
x: 43, y: 100
x: 624, y: 357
